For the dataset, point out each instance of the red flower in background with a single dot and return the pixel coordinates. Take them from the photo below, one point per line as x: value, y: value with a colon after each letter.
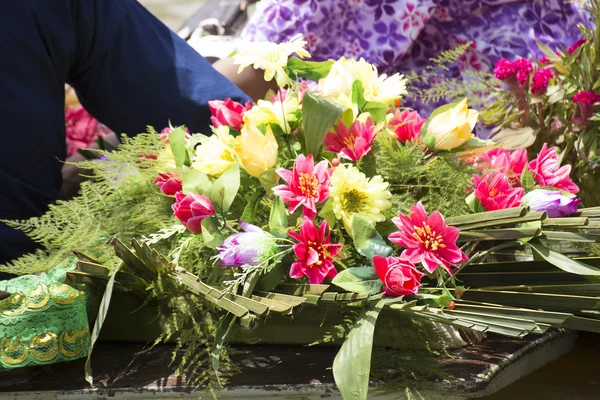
x: 406, y: 125
x: 314, y: 251
x: 547, y: 171
x: 191, y: 209
x: 228, y: 112
x: 427, y: 239
x: 540, y: 80
x: 494, y: 192
x: 399, y: 277
x: 170, y: 184
x: 82, y: 129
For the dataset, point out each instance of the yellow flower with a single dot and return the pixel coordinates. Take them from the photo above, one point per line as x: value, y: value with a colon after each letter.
x: 337, y: 85
x: 277, y: 112
x: 215, y: 153
x: 353, y: 193
x: 255, y: 151
x: 272, y: 57
x: 453, y: 127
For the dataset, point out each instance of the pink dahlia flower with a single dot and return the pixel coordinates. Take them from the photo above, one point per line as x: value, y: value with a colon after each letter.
x: 406, y: 125
x: 540, y: 80
x: 307, y: 184
x: 494, y: 192
x: 504, y: 69
x: 314, y: 251
x: 507, y: 162
x: 399, y: 277
x: 427, y: 239
x: 170, y: 184
x: 228, y: 112
x: 547, y: 171
x: 354, y: 143
x: 191, y: 209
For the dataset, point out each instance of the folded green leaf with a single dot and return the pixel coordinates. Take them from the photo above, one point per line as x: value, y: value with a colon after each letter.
x: 359, y: 280
x: 563, y: 262
x: 366, y: 239
x: 318, y: 115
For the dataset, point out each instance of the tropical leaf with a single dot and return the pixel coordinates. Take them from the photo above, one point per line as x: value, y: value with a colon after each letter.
x: 359, y: 280
x: 318, y: 116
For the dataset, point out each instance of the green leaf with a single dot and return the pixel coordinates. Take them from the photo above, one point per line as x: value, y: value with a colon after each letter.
x: 359, y: 280
x: 435, y: 300
x: 366, y: 239
x: 327, y: 213
x: 527, y: 179
x: 225, y: 189
x: 278, y: 222
x: 220, y: 336
x: 177, y: 143
x: 193, y: 181
x: 474, y: 203
x: 552, y: 56
x: 563, y: 262
x: 311, y: 70
x: 378, y: 111
x: 513, y: 139
x: 352, y: 364
x: 272, y: 278
x: 358, y: 94
x: 319, y: 115
x: 102, y: 312
x: 251, y: 209
x: 212, y: 235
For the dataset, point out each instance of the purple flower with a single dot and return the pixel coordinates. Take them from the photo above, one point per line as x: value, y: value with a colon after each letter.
x: 551, y: 201
x: 245, y: 248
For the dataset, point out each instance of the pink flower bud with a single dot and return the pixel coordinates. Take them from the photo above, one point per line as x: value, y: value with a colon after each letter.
x: 191, y: 209
x: 399, y: 277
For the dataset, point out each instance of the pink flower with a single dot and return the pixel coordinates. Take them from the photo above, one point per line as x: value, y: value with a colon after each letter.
x: 406, y: 125
x: 307, y: 184
x: 576, y: 45
x: 314, y: 251
x: 399, y: 277
x: 585, y: 101
x: 539, y: 82
x: 509, y: 163
x: 168, y: 183
x: 82, y: 129
x: 427, y: 239
x: 504, y: 69
x: 191, y: 209
x: 524, y: 68
x: 547, y: 171
x: 494, y: 192
x: 228, y: 112
x: 352, y: 144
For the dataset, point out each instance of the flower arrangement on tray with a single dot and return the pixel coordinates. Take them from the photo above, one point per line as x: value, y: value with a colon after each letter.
x: 327, y: 193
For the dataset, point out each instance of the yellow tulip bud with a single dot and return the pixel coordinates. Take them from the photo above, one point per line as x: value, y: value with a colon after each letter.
x: 255, y: 151
x: 453, y: 127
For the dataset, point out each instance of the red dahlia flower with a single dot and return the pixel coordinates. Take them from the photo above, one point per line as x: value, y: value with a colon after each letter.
x: 406, y: 125
x: 307, y: 184
x: 547, y: 171
x: 354, y: 143
x: 494, y: 192
x: 427, y: 239
x: 315, y: 252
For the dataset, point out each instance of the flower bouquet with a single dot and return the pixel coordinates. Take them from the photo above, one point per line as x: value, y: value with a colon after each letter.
x: 326, y: 195
x: 553, y: 100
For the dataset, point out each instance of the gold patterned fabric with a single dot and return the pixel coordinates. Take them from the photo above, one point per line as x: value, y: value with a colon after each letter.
x: 44, y: 321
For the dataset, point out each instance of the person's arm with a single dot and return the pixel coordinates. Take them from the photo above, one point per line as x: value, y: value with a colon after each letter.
x: 131, y: 71
x: 250, y: 80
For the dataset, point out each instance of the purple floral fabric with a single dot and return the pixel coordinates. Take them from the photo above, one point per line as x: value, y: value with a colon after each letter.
x: 402, y: 35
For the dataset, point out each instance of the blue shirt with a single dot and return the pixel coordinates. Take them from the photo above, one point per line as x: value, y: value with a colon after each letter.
x: 129, y: 71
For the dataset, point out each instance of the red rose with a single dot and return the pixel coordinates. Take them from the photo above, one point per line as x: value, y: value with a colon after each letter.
x: 399, y: 277
x: 168, y: 183
x: 191, y: 209
x: 228, y: 113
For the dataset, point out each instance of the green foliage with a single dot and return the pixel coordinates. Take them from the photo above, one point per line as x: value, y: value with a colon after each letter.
x: 367, y: 240
x: 439, y: 182
x: 359, y: 280
x: 318, y: 116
